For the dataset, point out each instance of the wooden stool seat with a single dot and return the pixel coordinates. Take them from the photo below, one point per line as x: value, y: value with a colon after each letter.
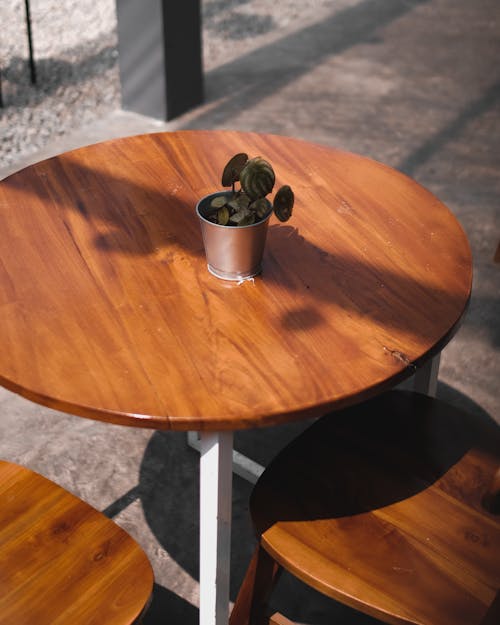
x: 62, y: 561
x: 382, y: 507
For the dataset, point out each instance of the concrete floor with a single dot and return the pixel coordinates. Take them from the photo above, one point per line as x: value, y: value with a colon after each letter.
x: 415, y: 84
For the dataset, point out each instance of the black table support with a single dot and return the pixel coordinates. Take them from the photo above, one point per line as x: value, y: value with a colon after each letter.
x: 160, y: 56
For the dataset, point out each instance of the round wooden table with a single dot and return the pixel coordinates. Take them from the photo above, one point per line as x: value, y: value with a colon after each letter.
x: 108, y: 310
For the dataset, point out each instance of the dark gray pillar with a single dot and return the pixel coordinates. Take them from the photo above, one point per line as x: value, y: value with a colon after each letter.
x: 160, y: 56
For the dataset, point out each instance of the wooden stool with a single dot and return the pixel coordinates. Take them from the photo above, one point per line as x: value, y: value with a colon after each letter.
x: 383, y: 507
x: 62, y: 561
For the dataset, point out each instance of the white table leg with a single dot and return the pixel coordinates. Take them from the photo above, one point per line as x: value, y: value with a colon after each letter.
x: 215, y: 526
x: 426, y: 377
x: 243, y: 466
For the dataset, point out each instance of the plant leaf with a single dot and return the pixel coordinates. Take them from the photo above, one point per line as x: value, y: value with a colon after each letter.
x: 241, y: 218
x: 223, y: 216
x: 218, y: 202
x: 257, y: 178
x: 261, y: 207
x: 243, y: 200
x: 231, y: 173
x: 283, y: 203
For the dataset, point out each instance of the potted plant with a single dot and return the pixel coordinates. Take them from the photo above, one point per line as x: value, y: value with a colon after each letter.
x: 234, y: 223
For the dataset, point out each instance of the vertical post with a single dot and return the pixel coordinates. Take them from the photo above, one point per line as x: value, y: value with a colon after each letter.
x: 30, y: 42
x: 426, y: 377
x: 160, y: 56
x: 215, y: 526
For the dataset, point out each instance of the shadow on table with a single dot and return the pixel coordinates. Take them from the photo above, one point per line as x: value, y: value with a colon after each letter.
x: 324, y: 276
x: 169, y: 492
x: 141, y: 218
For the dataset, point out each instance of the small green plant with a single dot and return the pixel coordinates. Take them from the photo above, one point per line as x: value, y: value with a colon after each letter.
x: 248, y: 204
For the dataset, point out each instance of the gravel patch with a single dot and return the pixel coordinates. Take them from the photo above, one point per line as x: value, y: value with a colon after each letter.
x: 77, y: 69
x: 75, y: 43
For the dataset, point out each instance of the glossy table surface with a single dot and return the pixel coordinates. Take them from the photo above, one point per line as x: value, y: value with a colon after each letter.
x: 108, y: 310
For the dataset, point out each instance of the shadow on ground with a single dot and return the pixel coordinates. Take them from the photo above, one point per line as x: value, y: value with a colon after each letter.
x: 169, y: 609
x: 249, y: 79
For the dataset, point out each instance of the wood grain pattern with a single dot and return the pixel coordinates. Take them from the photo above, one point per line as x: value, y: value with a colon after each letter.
x: 380, y: 507
x: 63, y: 562
x: 279, y: 619
x: 108, y: 310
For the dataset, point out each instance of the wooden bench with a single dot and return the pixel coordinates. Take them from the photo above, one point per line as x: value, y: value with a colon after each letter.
x: 389, y: 507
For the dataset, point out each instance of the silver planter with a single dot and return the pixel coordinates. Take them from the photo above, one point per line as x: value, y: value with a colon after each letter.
x: 233, y: 253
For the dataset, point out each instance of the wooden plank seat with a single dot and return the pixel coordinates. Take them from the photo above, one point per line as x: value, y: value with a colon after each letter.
x: 62, y: 561
x: 389, y: 507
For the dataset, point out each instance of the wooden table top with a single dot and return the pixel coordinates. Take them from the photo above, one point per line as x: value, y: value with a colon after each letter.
x: 108, y: 310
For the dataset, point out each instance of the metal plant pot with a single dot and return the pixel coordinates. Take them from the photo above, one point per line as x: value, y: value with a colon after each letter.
x: 233, y: 253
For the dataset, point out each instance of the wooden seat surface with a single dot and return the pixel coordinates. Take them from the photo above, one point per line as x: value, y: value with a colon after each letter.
x: 62, y: 561
x: 381, y: 506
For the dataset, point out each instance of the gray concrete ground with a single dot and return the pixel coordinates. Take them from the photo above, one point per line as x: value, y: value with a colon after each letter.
x: 413, y: 83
